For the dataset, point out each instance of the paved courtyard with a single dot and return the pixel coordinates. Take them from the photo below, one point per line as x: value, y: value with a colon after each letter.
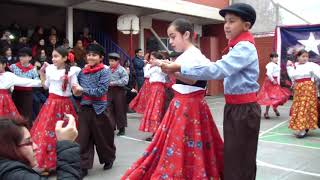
x: 281, y: 156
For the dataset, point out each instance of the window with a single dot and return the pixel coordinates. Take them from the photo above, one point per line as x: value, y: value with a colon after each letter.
x: 166, y: 43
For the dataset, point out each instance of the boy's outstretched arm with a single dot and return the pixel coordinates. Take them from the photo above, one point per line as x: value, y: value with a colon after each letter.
x: 242, y: 55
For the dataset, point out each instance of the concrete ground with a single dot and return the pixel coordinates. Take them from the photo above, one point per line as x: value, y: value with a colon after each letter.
x: 281, y: 156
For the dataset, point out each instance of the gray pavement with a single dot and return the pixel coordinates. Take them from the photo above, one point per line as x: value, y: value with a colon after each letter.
x: 280, y: 155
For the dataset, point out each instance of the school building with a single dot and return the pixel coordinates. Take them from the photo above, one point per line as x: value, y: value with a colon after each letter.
x: 154, y: 16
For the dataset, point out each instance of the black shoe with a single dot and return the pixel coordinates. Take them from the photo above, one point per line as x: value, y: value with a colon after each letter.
x: 301, y: 134
x: 276, y: 112
x: 149, y: 138
x: 107, y: 165
x: 121, y: 132
x: 83, y: 173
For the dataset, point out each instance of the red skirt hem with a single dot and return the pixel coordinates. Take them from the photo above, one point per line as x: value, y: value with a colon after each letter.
x: 187, y: 144
x: 272, y: 94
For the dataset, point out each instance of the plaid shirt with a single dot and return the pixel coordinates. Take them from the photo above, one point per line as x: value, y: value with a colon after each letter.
x: 95, y: 85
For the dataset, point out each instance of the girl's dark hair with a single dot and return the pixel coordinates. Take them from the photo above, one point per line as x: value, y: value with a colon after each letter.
x: 4, y: 50
x: 165, y: 54
x: 302, y: 51
x: 182, y: 26
x: 11, y: 135
x: 157, y: 55
x: 64, y: 52
x: 3, y: 60
x: 273, y: 55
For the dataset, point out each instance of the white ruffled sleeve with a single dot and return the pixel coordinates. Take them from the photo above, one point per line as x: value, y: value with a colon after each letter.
x: 269, y: 72
x: 24, y: 82
x: 315, y: 69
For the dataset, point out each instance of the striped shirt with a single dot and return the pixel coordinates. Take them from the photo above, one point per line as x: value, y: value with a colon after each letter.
x: 119, y: 77
x: 95, y: 85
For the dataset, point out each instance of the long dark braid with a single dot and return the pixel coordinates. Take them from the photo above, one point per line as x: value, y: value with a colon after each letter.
x: 64, y: 53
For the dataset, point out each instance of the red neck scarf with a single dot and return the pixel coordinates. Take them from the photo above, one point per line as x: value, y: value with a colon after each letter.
x: 89, y: 70
x: 114, y: 68
x: 23, y: 68
x: 245, y: 36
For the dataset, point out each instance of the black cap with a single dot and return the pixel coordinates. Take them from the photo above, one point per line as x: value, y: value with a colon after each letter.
x: 95, y: 48
x: 25, y: 51
x: 113, y: 55
x: 244, y: 11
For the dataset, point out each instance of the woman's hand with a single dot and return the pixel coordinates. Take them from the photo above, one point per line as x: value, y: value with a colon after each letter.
x: 69, y: 132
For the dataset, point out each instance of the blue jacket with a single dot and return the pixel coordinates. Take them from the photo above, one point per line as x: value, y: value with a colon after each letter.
x: 138, y: 65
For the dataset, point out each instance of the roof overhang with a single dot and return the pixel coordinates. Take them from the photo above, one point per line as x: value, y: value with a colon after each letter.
x: 167, y: 10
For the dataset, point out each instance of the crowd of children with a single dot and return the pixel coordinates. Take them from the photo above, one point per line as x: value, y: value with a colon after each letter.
x: 185, y: 142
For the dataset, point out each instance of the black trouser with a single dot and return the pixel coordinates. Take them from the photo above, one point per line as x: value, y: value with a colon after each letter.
x: 23, y: 101
x: 241, y: 127
x: 95, y: 130
x: 118, y: 105
x: 140, y: 81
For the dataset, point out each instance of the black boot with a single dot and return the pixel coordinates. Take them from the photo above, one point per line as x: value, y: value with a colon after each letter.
x: 107, y: 165
x: 121, y: 132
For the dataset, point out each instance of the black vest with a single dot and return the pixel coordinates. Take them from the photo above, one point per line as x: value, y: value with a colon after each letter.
x: 201, y: 84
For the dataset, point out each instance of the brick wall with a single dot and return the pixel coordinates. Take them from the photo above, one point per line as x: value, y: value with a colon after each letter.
x: 264, y: 47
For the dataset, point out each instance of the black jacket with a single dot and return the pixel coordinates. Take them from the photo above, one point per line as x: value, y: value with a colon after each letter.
x: 68, y: 165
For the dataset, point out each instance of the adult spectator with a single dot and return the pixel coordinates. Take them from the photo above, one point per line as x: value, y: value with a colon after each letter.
x: 37, y: 35
x: 17, y: 160
x: 79, y: 53
x: 138, y: 64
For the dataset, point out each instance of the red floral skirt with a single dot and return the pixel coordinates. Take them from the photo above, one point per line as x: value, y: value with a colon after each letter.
x: 43, y: 130
x: 272, y: 94
x: 7, y: 107
x: 138, y: 104
x: 186, y: 146
x: 154, y: 110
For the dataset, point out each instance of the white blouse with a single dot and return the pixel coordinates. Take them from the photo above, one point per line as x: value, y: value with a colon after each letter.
x: 273, y: 70
x: 191, y: 56
x: 156, y: 75
x: 8, y: 79
x: 146, y: 69
x: 306, y: 70
x: 54, y: 79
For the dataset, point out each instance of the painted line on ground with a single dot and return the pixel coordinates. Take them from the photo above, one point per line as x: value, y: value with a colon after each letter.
x: 274, y: 127
x: 288, y: 144
x: 264, y: 164
x: 270, y: 134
